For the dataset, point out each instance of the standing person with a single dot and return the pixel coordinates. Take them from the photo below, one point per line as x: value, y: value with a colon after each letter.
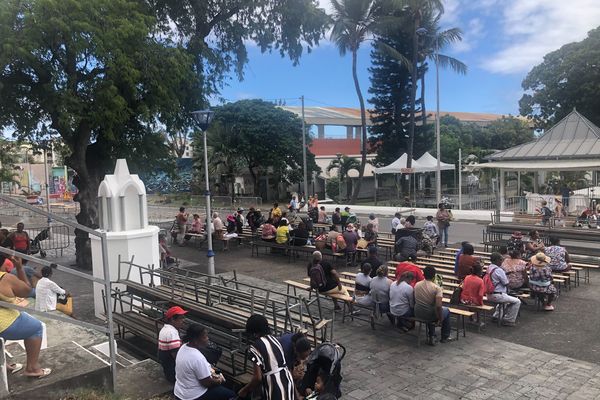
x: 428, y: 306
x: 169, y: 341
x: 534, y: 245
x: 540, y: 280
x: 20, y: 239
x: 293, y: 206
x: 396, y: 224
x: 322, y: 218
x: 181, y: 221
x: 195, y: 378
x: 443, y: 220
x: 336, y: 219
x: 270, y: 369
x: 275, y: 214
x: 351, y: 239
x: 315, y: 201
x: 374, y: 221
x: 500, y: 293
x: 18, y: 325
x: 370, y: 235
x: 558, y: 254
x: 402, y: 300
x: 430, y: 228
x: 545, y: 213
x: 560, y: 213
x: 344, y: 216
x: 46, y: 291
x: 565, y: 192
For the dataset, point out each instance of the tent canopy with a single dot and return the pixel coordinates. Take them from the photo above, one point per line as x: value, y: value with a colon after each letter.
x: 429, y: 161
x: 399, y: 166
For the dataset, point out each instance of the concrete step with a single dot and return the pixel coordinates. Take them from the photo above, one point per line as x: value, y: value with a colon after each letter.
x: 72, y: 367
x: 142, y: 380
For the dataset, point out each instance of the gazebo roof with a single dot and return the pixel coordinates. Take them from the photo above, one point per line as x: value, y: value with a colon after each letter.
x: 574, y: 137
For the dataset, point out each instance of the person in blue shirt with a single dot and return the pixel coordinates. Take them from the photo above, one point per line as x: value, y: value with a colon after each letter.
x: 500, y: 294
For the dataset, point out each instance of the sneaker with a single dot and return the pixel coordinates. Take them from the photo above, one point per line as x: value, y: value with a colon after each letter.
x: 549, y: 308
x: 446, y: 340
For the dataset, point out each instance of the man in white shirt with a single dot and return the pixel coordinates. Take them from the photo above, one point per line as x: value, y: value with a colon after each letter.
x: 169, y: 341
x: 402, y: 300
x: 46, y: 291
x: 396, y: 222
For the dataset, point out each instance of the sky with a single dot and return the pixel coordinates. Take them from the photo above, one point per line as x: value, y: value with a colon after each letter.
x: 502, y: 41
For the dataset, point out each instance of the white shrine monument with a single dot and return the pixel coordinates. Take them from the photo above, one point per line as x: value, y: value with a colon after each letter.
x: 123, y: 215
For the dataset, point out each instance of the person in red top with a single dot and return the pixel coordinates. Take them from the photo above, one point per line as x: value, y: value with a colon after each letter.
x: 20, y: 239
x: 466, y: 261
x: 409, y: 266
x: 473, y: 288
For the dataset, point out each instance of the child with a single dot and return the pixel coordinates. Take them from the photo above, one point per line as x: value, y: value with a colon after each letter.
x: 545, y: 212
x: 431, y: 229
x: 319, y: 385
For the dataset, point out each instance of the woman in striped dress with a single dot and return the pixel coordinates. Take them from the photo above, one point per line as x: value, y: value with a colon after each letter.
x: 270, y: 369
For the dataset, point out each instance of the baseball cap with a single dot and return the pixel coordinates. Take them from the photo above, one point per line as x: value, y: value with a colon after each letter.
x: 173, y: 311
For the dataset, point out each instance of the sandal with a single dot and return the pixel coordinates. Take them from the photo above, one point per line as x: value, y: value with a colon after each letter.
x: 45, y: 373
x: 14, y: 368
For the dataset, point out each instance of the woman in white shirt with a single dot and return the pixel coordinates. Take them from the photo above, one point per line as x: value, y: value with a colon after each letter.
x: 46, y: 291
x: 195, y: 378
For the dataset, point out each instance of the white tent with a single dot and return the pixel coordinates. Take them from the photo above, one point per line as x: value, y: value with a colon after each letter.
x: 399, y: 167
x: 430, y: 162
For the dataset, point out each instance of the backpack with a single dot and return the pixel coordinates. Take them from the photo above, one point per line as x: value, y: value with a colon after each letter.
x: 317, y: 277
x: 487, y: 282
x: 340, y: 242
x: 547, y: 212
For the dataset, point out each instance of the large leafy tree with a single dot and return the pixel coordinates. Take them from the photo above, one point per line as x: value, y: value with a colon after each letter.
x: 92, y: 72
x: 8, y: 158
x: 567, y: 78
x: 260, y: 137
x: 354, y: 20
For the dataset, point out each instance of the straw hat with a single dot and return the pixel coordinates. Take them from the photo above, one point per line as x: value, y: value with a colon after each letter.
x: 539, y: 260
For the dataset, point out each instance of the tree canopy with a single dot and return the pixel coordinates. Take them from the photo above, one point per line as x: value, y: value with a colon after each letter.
x: 568, y: 77
x: 265, y: 138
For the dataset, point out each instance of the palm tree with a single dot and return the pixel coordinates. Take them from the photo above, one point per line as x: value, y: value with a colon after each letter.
x: 433, y: 41
x: 353, y: 21
x: 344, y: 165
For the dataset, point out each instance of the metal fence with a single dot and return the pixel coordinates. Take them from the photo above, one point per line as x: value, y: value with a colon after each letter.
x: 58, y: 239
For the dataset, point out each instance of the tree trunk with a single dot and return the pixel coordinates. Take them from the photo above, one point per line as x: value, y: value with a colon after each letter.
x: 423, y: 111
x: 363, y: 121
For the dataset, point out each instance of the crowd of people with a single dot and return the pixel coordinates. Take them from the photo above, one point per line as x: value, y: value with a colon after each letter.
x: 278, y: 363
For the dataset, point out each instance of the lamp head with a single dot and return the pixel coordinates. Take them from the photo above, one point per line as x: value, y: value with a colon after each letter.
x: 203, y: 118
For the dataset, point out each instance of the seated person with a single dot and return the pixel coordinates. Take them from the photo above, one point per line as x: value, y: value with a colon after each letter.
x: 320, y: 386
x: 380, y: 289
x: 428, y: 306
x: 516, y: 243
x: 282, y: 235
x: 46, y: 291
x: 430, y: 228
x: 559, y: 258
x: 332, y: 236
x: 373, y: 260
x: 197, y: 226
x: 268, y: 231
x: 299, y: 235
x: 458, y: 254
x: 169, y: 341
x: 534, y: 244
x: 406, y: 247
x: 466, y: 261
x: 500, y: 294
x: 410, y: 222
x: 332, y: 279
x: 540, y: 280
x: 195, y: 378
x: 18, y: 325
x: 402, y: 299
x: 473, y: 288
x: 409, y: 266
x: 362, y: 285
x: 516, y: 270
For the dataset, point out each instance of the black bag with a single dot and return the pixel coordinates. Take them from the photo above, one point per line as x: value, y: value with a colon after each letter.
x: 212, y: 353
x: 317, y: 277
x: 61, y: 298
x: 455, y: 299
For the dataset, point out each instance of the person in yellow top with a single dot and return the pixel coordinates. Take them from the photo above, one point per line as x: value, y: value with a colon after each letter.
x: 17, y: 325
x: 282, y: 235
x: 275, y: 214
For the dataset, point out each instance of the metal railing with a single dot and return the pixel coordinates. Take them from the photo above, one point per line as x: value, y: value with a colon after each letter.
x: 105, y: 281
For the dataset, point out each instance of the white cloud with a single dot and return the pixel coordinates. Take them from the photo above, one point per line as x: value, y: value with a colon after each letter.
x: 326, y: 4
x: 534, y: 28
x: 471, y: 36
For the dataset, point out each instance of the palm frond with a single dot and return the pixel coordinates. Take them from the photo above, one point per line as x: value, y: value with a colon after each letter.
x: 395, y: 54
x: 456, y: 65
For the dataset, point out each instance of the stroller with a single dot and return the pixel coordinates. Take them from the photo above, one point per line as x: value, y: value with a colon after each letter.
x: 327, y: 356
x: 35, y: 246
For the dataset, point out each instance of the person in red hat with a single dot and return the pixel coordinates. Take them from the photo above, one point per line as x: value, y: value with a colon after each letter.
x: 169, y: 341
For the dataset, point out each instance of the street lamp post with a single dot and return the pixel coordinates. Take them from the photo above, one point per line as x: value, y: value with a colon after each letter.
x: 339, y: 158
x: 204, y: 118
x: 438, y: 170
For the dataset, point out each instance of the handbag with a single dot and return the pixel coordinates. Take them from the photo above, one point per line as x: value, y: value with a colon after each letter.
x: 67, y: 307
x: 61, y: 299
x: 362, y: 244
x: 455, y: 299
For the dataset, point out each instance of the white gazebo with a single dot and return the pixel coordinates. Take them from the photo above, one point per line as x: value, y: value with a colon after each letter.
x: 573, y: 144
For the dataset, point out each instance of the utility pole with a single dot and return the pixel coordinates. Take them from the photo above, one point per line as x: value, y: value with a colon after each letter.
x: 304, y: 150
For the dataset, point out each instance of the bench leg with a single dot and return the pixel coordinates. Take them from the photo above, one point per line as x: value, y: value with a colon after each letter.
x: 419, y: 333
